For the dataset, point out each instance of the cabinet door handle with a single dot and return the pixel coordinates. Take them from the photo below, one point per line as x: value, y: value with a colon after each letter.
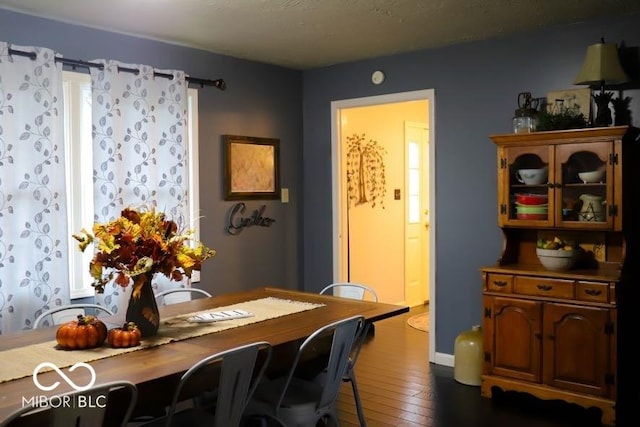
x: 593, y: 292
x: 500, y: 283
x: 543, y: 287
x: 538, y: 335
x: 551, y: 337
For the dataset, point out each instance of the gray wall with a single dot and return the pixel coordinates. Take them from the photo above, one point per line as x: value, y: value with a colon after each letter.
x: 476, y: 85
x: 260, y: 100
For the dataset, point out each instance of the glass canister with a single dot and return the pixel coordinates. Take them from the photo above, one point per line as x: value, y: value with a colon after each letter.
x: 468, y: 357
x: 524, y: 120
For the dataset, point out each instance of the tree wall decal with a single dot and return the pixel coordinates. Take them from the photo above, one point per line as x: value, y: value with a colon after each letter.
x: 366, y: 181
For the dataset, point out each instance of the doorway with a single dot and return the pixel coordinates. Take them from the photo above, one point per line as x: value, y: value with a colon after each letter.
x: 387, y: 240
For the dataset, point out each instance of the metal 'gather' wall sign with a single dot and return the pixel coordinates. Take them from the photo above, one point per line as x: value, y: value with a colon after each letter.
x: 237, y: 222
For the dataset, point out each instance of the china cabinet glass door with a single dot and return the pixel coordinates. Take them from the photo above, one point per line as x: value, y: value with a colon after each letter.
x: 527, y: 196
x: 565, y: 185
x: 584, y: 198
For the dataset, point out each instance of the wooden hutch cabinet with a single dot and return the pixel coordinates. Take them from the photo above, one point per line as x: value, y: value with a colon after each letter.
x: 555, y: 334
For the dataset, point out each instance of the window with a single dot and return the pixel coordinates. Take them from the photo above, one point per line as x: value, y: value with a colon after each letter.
x: 79, y: 172
x: 413, y: 189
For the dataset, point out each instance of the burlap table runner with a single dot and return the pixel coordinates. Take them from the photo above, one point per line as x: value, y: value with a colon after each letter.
x: 20, y: 362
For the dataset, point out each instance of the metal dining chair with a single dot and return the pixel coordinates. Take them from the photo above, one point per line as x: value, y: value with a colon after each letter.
x: 351, y: 290
x: 241, y: 369
x: 294, y: 400
x: 66, y: 313
x: 76, y: 412
x: 361, y: 292
x: 173, y: 296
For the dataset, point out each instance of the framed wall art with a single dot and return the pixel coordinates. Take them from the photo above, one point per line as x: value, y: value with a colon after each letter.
x: 576, y: 99
x: 252, y: 167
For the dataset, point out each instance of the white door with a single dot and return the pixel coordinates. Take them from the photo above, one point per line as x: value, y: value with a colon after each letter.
x: 416, y: 213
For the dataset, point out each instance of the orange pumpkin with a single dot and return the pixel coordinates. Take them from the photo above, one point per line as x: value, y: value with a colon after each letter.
x: 86, y: 332
x: 127, y: 336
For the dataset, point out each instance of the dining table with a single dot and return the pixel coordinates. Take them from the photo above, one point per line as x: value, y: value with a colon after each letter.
x: 157, y: 367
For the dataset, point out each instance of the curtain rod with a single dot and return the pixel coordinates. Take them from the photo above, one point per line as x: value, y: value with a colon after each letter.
x: 219, y: 83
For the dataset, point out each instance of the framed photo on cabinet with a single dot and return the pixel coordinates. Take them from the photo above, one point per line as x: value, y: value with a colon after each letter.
x: 570, y: 99
x: 252, y: 167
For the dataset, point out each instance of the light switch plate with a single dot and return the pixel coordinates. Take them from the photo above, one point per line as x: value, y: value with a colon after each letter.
x: 284, y: 195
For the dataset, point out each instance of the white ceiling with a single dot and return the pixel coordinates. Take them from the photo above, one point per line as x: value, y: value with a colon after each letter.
x: 304, y: 34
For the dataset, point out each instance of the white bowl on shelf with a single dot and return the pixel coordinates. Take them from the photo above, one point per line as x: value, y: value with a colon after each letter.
x: 532, y: 176
x: 591, y: 176
x: 557, y: 259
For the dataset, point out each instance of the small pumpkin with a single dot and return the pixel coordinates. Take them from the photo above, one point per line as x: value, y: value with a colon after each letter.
x: 85, y: 332
x: 127, y: 336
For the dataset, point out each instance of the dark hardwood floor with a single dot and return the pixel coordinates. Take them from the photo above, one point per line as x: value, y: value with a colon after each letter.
x: 399, y: 387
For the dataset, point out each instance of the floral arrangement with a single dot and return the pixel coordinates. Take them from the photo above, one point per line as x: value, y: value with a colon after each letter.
x: 139, y: 244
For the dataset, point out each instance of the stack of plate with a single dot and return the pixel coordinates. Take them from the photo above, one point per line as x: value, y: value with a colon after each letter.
x: 532, y: 206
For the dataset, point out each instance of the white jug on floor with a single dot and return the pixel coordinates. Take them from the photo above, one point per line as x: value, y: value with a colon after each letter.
x: 468, y: 357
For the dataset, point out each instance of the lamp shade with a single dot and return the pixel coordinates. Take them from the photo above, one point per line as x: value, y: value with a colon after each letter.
x: 601, y: 65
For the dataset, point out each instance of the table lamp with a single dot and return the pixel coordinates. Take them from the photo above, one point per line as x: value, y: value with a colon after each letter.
x: 602, y: 67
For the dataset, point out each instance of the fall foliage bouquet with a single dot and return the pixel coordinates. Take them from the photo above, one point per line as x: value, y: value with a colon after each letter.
x: 139, y: 244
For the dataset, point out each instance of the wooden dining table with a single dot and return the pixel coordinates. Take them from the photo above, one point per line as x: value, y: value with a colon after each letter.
x: 156, y: 370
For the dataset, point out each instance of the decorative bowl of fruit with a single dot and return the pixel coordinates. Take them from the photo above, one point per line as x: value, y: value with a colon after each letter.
x: 556, y: 254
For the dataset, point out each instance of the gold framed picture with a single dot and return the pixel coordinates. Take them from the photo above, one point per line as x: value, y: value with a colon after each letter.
x: 579, y: 99
x: 252, y: 167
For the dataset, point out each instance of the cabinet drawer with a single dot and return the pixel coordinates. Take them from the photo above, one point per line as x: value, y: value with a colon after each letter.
x: 592, y: 291
x: 539, y: 286
x: 500, y: 283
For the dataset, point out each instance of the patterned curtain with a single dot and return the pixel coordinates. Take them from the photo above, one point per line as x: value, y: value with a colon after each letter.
x: 34, y: 238
x: 139, y: 128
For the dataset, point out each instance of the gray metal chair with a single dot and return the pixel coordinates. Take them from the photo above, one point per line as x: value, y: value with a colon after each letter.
x: 241, y: 370
x: 173, y: 296
x: 66, y: 313
x: 351, y: 290
x: 294, y: 400
x: 74, y: 413
x: 354, y: 291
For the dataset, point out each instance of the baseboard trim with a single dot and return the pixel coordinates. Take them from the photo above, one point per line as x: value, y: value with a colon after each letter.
x: 444, y: 359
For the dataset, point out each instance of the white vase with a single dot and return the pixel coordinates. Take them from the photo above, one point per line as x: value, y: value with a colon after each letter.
x: 115, y: 298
